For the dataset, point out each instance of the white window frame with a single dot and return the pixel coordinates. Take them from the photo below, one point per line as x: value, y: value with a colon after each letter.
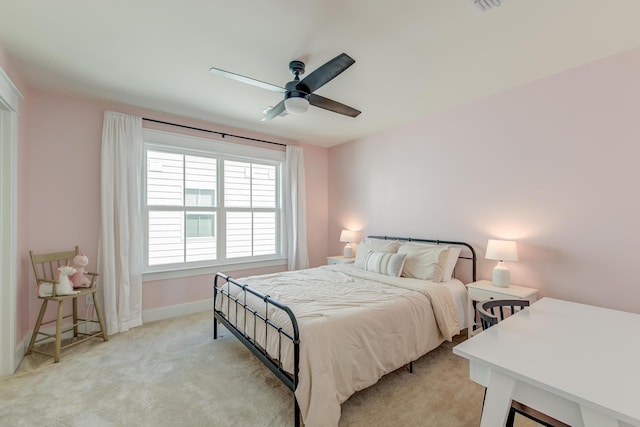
x: 186, y: 144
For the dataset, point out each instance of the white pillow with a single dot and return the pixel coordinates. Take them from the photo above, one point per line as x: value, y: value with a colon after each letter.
x: 385, y: 263
x: 452, y: 259
x: 424, y: 262
x: 377, y: 245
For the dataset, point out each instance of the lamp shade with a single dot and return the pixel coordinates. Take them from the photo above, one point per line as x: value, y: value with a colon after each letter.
x: 296, y: 104
x: 502, y: 250
x: 348, y: 236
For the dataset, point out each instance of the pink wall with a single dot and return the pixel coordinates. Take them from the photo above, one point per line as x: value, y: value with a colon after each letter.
x: 62, y: 163
x: 316, y: 161
x: 552, y: 164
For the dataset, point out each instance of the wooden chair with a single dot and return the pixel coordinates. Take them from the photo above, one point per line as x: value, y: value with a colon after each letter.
x: 494, y: 310
x: 490, y: 313
x: 45, y: 268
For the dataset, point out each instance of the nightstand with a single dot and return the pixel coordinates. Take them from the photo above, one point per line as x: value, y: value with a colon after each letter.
x: 339, y: 259
x: 483, y: 290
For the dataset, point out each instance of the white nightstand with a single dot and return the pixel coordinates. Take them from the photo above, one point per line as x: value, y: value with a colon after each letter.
x: 483, y: 290
x: 339, y: 259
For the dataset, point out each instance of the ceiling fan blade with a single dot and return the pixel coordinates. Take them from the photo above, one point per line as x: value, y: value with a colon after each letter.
x: 247, y: 80
x: 325, y: 73
x: 331, y: 105
x: 274, y: 112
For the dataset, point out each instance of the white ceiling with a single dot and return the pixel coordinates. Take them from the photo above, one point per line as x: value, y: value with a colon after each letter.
x: 413, y: 57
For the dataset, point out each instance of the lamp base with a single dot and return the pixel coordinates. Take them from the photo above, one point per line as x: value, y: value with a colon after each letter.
x: 348, y: 251
x: 501, y: 276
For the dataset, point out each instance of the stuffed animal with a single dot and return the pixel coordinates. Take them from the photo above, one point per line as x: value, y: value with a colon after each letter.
x: 63, y: 287
x: 78, y: 279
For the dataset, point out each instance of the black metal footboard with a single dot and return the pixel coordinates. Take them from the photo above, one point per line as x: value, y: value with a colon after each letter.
x: 250, y: 340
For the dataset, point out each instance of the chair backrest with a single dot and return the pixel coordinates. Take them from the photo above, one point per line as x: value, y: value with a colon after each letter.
x: 45, y: 266
x: 495, y: 310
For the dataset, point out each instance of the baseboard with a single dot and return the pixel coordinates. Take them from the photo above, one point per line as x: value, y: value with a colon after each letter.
x: 20, y: 349
x: 176, y: 310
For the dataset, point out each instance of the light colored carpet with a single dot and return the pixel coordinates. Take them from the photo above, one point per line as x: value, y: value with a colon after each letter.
x: 172, y: 373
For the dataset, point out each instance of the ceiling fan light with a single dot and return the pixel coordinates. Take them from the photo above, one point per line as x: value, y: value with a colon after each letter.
x: 296, y: 105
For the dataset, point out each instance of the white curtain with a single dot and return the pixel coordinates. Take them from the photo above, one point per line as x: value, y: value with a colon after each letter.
x: 120, y: 257
x: 295, y: 209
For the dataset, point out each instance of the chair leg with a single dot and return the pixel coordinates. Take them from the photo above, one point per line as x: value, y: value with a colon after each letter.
x: 484, y: 397
x: 43, y: 308
x: 56, y: 353
x: 75, y: 317
x: 96, y: 305
x: 511, y: 417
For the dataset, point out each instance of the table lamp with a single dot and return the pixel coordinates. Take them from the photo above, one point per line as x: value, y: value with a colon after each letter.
x: 348, y: 237
x: 501, y: 250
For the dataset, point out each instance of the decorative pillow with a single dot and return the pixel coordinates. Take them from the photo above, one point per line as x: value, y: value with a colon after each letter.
x: 385, y: 263
x: 452, y: 259
x: 424, y: 262
x: 376, y: 245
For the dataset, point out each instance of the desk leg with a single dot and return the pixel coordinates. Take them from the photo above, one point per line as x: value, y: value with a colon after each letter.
x: 498, y: 400
x: 592, y: 418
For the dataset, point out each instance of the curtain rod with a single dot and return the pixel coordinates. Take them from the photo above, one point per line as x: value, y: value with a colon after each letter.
x: 223, y: 134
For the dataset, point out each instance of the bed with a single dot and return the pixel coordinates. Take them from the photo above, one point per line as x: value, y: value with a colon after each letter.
x: 330, y: 331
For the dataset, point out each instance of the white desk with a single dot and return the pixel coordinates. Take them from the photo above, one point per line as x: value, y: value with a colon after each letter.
x: 577, y: 363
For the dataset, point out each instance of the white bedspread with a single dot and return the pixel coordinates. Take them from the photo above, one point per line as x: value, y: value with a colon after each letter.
x: 355, y: 326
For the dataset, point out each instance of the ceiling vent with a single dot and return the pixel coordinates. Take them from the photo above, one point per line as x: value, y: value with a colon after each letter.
x: 483, y: 5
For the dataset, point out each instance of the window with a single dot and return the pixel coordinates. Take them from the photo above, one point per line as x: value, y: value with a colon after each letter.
x: 250, y: 199
x: 210, y: 203
x: 200, y: 225
x: 199, y: 197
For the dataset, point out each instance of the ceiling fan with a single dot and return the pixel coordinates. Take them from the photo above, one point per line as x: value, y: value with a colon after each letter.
x: 298, y: 94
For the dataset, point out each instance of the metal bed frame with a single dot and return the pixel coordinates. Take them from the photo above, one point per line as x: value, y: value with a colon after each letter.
x: 258, y: 319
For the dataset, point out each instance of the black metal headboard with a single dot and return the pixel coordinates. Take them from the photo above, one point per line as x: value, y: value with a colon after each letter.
x: 472, y: 258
